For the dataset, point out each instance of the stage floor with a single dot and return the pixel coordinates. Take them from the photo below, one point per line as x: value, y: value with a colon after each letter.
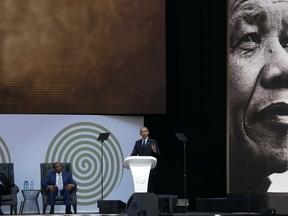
x: 164, y: 214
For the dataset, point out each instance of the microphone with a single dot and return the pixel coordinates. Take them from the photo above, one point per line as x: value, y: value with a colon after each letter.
x: 248, y: 200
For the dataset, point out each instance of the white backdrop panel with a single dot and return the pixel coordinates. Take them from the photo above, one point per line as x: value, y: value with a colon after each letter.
x: 34, y: 139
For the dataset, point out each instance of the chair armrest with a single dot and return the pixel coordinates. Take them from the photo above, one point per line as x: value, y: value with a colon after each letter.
x: 14, y: 189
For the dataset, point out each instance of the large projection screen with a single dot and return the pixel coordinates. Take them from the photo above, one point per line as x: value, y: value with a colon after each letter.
x: 258, y: 109
x: 82, y: 57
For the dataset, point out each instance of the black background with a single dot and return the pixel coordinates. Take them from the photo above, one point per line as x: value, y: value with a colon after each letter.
x: 196, y: 101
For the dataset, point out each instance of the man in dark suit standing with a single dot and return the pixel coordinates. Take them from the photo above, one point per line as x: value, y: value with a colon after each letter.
x: 147, y: 147
x: 59, y: 182
x: 5, y: 187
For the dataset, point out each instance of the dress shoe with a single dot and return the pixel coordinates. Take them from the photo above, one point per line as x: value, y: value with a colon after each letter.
x: 51, y: 210
x: 68, y: 209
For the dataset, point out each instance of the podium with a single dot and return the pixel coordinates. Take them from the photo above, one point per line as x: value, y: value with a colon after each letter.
x: 140, y: 167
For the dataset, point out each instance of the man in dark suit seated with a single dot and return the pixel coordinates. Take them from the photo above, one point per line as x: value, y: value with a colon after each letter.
x: 5, y: 187
x: 59, y: 182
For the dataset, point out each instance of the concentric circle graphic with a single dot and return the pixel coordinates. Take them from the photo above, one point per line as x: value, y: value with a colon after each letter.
x: 77, y: 144
x: 5, y: 156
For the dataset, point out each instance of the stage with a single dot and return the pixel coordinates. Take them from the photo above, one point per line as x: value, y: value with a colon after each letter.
x: 149, y: 204
x: 175, y: 214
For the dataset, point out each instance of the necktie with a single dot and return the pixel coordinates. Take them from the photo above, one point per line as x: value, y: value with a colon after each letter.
x: 59, y: 183
x: 143, y: 144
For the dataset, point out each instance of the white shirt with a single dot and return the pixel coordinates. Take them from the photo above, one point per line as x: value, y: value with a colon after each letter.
x: 279, y: 182
x: 59, y: 182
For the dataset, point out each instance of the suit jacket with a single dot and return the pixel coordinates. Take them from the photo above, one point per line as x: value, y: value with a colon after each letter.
x: 51, y: 179
x: 146, y: 150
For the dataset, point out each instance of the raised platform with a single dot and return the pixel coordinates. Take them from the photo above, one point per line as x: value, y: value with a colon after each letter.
x: 176, y: 214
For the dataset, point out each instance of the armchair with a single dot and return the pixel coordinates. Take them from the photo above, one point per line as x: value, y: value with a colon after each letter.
x: 45, y: 168
x: 10, y: 199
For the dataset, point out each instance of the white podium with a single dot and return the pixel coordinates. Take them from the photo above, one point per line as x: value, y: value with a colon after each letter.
x: 140, y: 167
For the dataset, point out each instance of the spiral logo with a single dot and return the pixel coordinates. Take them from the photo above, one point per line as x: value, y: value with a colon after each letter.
x: 91, y: 159
x: 4, y: 152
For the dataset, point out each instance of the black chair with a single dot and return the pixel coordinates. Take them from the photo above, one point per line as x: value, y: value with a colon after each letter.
x: 45, y: 168
x: 9, y: 199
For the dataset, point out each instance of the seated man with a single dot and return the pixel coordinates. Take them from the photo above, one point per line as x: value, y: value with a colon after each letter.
x: 5, y: 187
x: 58, y: 182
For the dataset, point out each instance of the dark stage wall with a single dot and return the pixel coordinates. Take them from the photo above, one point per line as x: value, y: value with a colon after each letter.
x: 196, y: 101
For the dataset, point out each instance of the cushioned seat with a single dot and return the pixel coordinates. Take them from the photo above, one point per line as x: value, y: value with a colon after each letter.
x: 10, y: 199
